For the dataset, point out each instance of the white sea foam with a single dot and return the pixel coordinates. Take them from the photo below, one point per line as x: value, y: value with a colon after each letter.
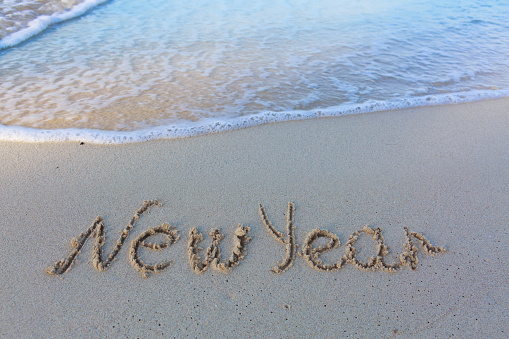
x: 42, y: 22
x: 209, y: 126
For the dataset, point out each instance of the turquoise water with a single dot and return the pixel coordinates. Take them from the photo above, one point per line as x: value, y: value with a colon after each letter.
x: 136, y: 70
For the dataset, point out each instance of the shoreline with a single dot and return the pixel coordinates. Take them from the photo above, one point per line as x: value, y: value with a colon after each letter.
x: 210, y: 126
x: 441, y: 171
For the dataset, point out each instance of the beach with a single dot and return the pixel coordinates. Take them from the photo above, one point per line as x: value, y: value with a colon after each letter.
x: 438, y: 171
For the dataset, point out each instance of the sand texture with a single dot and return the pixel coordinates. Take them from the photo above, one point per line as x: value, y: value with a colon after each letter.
x: 393, y: 224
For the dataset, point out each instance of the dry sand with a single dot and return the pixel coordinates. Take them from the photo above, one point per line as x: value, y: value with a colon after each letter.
x: 443, y: 172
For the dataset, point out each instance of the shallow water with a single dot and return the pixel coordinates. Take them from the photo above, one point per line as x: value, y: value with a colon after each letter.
x: 131, y: 65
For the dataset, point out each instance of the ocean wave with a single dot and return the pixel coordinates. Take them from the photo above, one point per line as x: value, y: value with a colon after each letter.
x: 20, y: 21
x: 140, y: 70
x: 210, y: 126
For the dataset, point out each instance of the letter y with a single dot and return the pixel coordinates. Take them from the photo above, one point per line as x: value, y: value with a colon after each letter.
x: 291, y: 247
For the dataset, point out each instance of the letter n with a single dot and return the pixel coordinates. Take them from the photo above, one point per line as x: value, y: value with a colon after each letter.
x: 97, y: 230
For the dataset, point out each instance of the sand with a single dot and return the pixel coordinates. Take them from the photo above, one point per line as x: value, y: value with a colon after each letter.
x: 441, y: 173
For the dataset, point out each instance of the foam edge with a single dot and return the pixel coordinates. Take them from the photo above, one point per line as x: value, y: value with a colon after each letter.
x: 42, y: 22
x: 211, y: 126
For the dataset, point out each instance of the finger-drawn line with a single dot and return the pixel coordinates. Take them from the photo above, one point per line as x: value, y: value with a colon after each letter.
x: 97, y: 230
x: 311, y: 254
x: 291, y: 246
x: 172, y: 237
x: 240, y: 241
x: 377, y: 262
x: 213, y: 254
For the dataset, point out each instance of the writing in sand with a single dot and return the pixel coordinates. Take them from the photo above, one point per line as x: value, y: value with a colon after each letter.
x: 212, y: 257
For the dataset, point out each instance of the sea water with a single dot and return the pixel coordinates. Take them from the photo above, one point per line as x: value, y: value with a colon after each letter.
x: 130, y: 70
